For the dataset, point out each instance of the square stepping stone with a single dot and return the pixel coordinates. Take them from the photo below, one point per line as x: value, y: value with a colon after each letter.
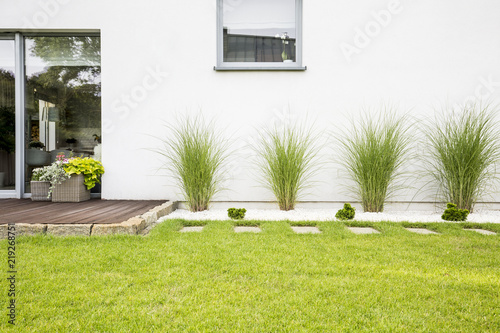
x: 191, y: 229
x: 482, y: 231
x: 306, y: 230
x: 422, y: 231
x: 363, y: 230
x: 247, y: 229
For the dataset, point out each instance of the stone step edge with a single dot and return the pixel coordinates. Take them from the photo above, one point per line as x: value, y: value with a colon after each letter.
x: 132, y: 226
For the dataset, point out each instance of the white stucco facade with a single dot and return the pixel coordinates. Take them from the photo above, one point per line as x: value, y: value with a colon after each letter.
x: 158, y: 61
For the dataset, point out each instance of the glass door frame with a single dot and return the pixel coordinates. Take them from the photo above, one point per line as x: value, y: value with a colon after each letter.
x: 19, y: 114
x: 20, y: 133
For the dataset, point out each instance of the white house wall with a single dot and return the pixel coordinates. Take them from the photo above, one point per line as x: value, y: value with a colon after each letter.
x: 158, y: 59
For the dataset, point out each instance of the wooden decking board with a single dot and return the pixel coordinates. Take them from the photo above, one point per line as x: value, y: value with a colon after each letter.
x: 54, y: 210
x: 59, y: 216
x: 87, y: 212
x: 8, y: 208
x: 108, y: 214
x: 90, y: 214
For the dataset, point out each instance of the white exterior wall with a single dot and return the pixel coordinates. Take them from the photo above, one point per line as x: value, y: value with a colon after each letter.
x: 428, y: 54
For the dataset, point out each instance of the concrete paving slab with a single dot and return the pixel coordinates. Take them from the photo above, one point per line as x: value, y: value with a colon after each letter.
x: 23, y: 229
x: 363, y: 230
x: 422, y: 231
x: 306, y: 230
x: 482, y: 231
x: 247, y: 229
x: 69, y: 229
x: 191, y: 229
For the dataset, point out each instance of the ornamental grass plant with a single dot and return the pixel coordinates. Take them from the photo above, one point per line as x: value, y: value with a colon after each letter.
x: 464, y: 151
x: 373, y: 152
x: 196, y: 155
x: 287, y: 162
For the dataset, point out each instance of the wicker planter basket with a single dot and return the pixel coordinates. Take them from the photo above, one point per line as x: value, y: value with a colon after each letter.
x: 71, y: 190
x: 40, y: 191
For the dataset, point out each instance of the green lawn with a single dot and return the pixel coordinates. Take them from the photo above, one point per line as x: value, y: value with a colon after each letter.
x: 220, y: 281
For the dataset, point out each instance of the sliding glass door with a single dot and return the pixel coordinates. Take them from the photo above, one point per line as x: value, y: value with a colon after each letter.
x: 50, y: 103
x: 63, y: 99
x: 7, y: 116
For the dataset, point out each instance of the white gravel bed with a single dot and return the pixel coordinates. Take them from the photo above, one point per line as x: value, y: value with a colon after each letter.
x: 486, y: 216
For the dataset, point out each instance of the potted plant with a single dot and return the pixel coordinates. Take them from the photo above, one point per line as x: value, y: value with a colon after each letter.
x: 40, y: 185
x: 44, y: 180
x: 35, y: 156
x: 83, y: 174
x: 71, y: 142
x: 97, y: 148
x: 97, y: 138
x: 284, y: 40
x: 36, y: 145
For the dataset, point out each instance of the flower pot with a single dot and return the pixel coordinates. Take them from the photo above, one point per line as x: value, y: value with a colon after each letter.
x: 40, y: 191
x: 71, y: 190
x: 36, y: 157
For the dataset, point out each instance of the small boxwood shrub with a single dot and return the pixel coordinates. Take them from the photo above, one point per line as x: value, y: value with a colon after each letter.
x: 347, y: 213
x: 451, y: 213
x: 236, y: 213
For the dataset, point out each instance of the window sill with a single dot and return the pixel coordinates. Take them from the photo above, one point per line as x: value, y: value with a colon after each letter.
x: 243, y: 68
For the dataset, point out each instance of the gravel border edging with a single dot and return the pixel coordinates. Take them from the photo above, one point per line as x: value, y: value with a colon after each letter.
x: 133, y: 226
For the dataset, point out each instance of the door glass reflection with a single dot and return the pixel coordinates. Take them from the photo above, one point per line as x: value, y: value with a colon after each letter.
x: 63, y: 99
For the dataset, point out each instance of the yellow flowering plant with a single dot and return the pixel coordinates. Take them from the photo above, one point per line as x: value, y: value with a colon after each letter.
x: 90, y: 168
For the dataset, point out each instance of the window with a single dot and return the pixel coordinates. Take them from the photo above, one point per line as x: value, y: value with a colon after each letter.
x: 259, y: 35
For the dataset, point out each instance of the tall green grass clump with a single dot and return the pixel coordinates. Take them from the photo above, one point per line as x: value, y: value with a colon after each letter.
x: 373, y: 153
x: 196, y: 155
x: 464, y: 150
x: 287, y: 160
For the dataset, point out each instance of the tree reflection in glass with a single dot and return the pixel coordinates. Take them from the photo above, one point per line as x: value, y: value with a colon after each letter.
x: 63, y: 97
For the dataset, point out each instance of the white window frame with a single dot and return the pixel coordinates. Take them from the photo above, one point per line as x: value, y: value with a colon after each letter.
x: 255, y: 66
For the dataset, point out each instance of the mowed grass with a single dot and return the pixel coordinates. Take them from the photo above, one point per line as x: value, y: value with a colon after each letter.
x: 275, y: 281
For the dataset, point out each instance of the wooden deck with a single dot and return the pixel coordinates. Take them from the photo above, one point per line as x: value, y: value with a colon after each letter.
x: 87, y: 212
